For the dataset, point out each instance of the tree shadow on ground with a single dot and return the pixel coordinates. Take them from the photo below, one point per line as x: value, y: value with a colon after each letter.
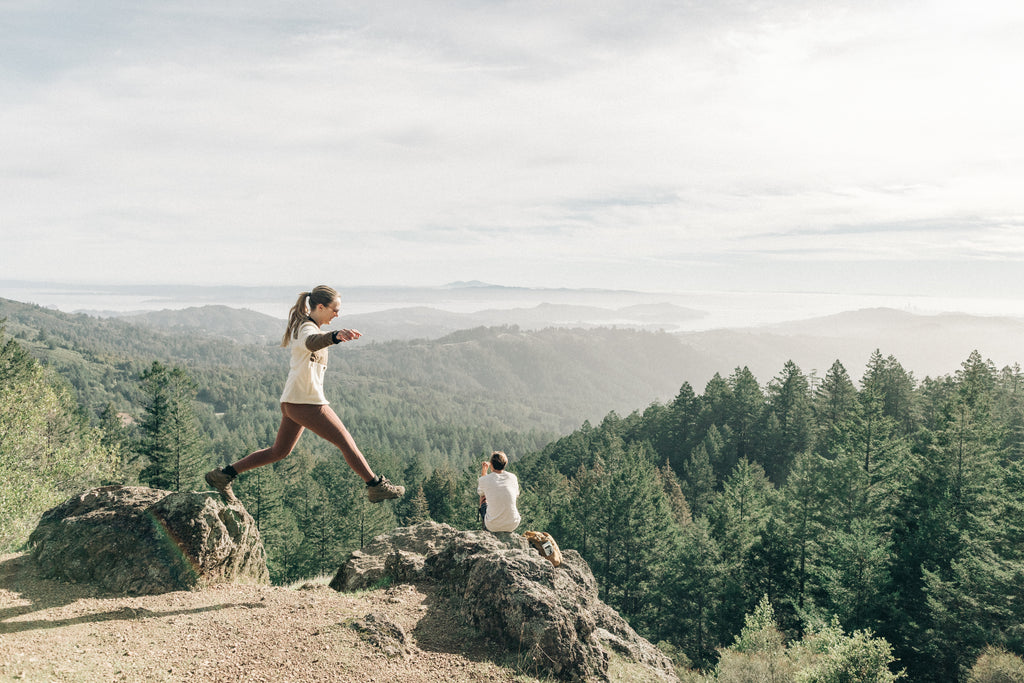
x: 18, y: 577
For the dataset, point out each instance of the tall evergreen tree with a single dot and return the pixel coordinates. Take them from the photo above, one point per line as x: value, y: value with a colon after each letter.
x: 1009, y: 411
x: 698, y: 480
x: 419, y: 511
x: 674, y: 495
x: 854, y: 574
x: 682, y: 431
x: 581, y: 516
x: 886, y: 380
x: 117, y: 437
x: 737, y: 515
x: 836, y: 409
x: 792, y: 427
x: 770, y: 566
x: 694, y: 589
x: 365, y: 520
x: 804, y: 508
x: 171, y: 442
x: 638, y: 518
x: 442, y: 492
x: 745, y: 416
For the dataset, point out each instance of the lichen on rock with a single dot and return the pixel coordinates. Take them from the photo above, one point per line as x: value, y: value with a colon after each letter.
x: 501, y: 587
x: 139, y: 541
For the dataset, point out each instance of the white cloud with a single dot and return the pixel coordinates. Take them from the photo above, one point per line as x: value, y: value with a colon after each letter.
x: 562, y: 144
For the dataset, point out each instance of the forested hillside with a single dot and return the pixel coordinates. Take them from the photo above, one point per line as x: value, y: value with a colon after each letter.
x: 895, y: 507
x: 548, y: 380
x: 806, y: 515
x: 421, y: 411
x: 48, y: 451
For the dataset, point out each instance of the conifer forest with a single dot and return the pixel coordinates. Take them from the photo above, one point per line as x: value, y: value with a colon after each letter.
x: 747, y: 519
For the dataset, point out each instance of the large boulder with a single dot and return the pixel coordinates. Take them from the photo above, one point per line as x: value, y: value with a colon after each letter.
x: 503, y: 588
x: 141, y: 541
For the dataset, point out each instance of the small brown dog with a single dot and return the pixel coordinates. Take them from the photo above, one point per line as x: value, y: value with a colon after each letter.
x: 545, y: 545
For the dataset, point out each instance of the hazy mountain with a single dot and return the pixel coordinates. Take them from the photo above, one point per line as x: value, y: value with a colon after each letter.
x: 927, y: 345
x: 113, y: 300
x: 430, y: 323
x: 419, y: 322
x: 242, y: 325
x: 502, y: 376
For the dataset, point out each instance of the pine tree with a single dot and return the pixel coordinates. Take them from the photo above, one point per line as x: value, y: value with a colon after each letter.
x: 694, y: 587
x: 442, y: 492
x: 835, y: 409
x: 805, y: 506
x: 321, y: 526
x: 854, y: 575
x: 737, y: 515
x: 699, y: 479
x: 263, y: 493
x: 544, y: 491
x: 171, y: 442
x: 638, y: 518
x: 681, y: 428
x: 886, y: 380
x: 1008, y: 410
x: 745, y: 416
x: 791, y: 428
x: 116, y: 437
x: 582, y: 515
x: 419, y: 511
x: 365, y: 519
x: 968, y: 586
x: 674, y: 495
x: 947, y: 529
x: 770, y: 566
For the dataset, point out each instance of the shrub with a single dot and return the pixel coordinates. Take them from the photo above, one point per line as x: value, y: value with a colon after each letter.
x: 996, y: 665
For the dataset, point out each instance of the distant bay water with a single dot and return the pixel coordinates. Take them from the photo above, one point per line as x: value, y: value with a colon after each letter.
x: 673, y: 311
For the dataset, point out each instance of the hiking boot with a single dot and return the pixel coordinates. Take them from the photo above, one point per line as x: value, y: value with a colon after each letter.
x: 222, y: 482
x: 383, y: 490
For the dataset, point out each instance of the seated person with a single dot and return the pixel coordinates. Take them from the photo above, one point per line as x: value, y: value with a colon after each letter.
x: 499, y: 490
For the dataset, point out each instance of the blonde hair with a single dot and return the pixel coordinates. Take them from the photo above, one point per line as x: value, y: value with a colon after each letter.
x: 307, y: 301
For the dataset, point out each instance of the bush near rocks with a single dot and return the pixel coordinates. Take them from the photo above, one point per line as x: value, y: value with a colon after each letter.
x: 141, y: 541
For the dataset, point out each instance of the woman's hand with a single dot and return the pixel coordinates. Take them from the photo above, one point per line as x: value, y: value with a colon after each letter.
x: 347, y: 335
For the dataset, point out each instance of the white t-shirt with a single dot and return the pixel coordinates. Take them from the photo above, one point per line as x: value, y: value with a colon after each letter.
x: 501, y: 490
x: 305, y: 383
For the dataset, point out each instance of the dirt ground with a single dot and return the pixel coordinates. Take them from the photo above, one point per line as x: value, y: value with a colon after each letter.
x: 51, y: 631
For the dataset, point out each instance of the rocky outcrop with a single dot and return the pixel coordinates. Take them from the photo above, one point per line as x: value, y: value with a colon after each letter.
x: 141, y: 541
x: 503, y: 588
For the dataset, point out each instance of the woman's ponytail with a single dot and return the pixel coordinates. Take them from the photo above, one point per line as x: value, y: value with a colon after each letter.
x: 299, y: 313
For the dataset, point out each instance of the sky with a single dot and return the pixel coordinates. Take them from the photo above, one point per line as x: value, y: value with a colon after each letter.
x: 797, y: 146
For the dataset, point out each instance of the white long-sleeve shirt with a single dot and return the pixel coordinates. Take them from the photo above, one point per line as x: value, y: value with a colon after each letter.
x: 305, y: 383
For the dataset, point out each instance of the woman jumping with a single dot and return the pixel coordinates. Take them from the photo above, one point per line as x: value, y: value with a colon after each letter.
x: 303, y: 404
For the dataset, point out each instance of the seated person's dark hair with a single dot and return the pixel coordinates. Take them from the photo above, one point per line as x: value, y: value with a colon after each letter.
x: 498, y: 460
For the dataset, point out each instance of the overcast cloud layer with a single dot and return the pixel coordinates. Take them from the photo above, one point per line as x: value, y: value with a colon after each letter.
x: 841, y: 146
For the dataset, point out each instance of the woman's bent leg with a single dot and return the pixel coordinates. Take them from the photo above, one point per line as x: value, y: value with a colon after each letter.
x: 325, y: 423
x: 287, y: 436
